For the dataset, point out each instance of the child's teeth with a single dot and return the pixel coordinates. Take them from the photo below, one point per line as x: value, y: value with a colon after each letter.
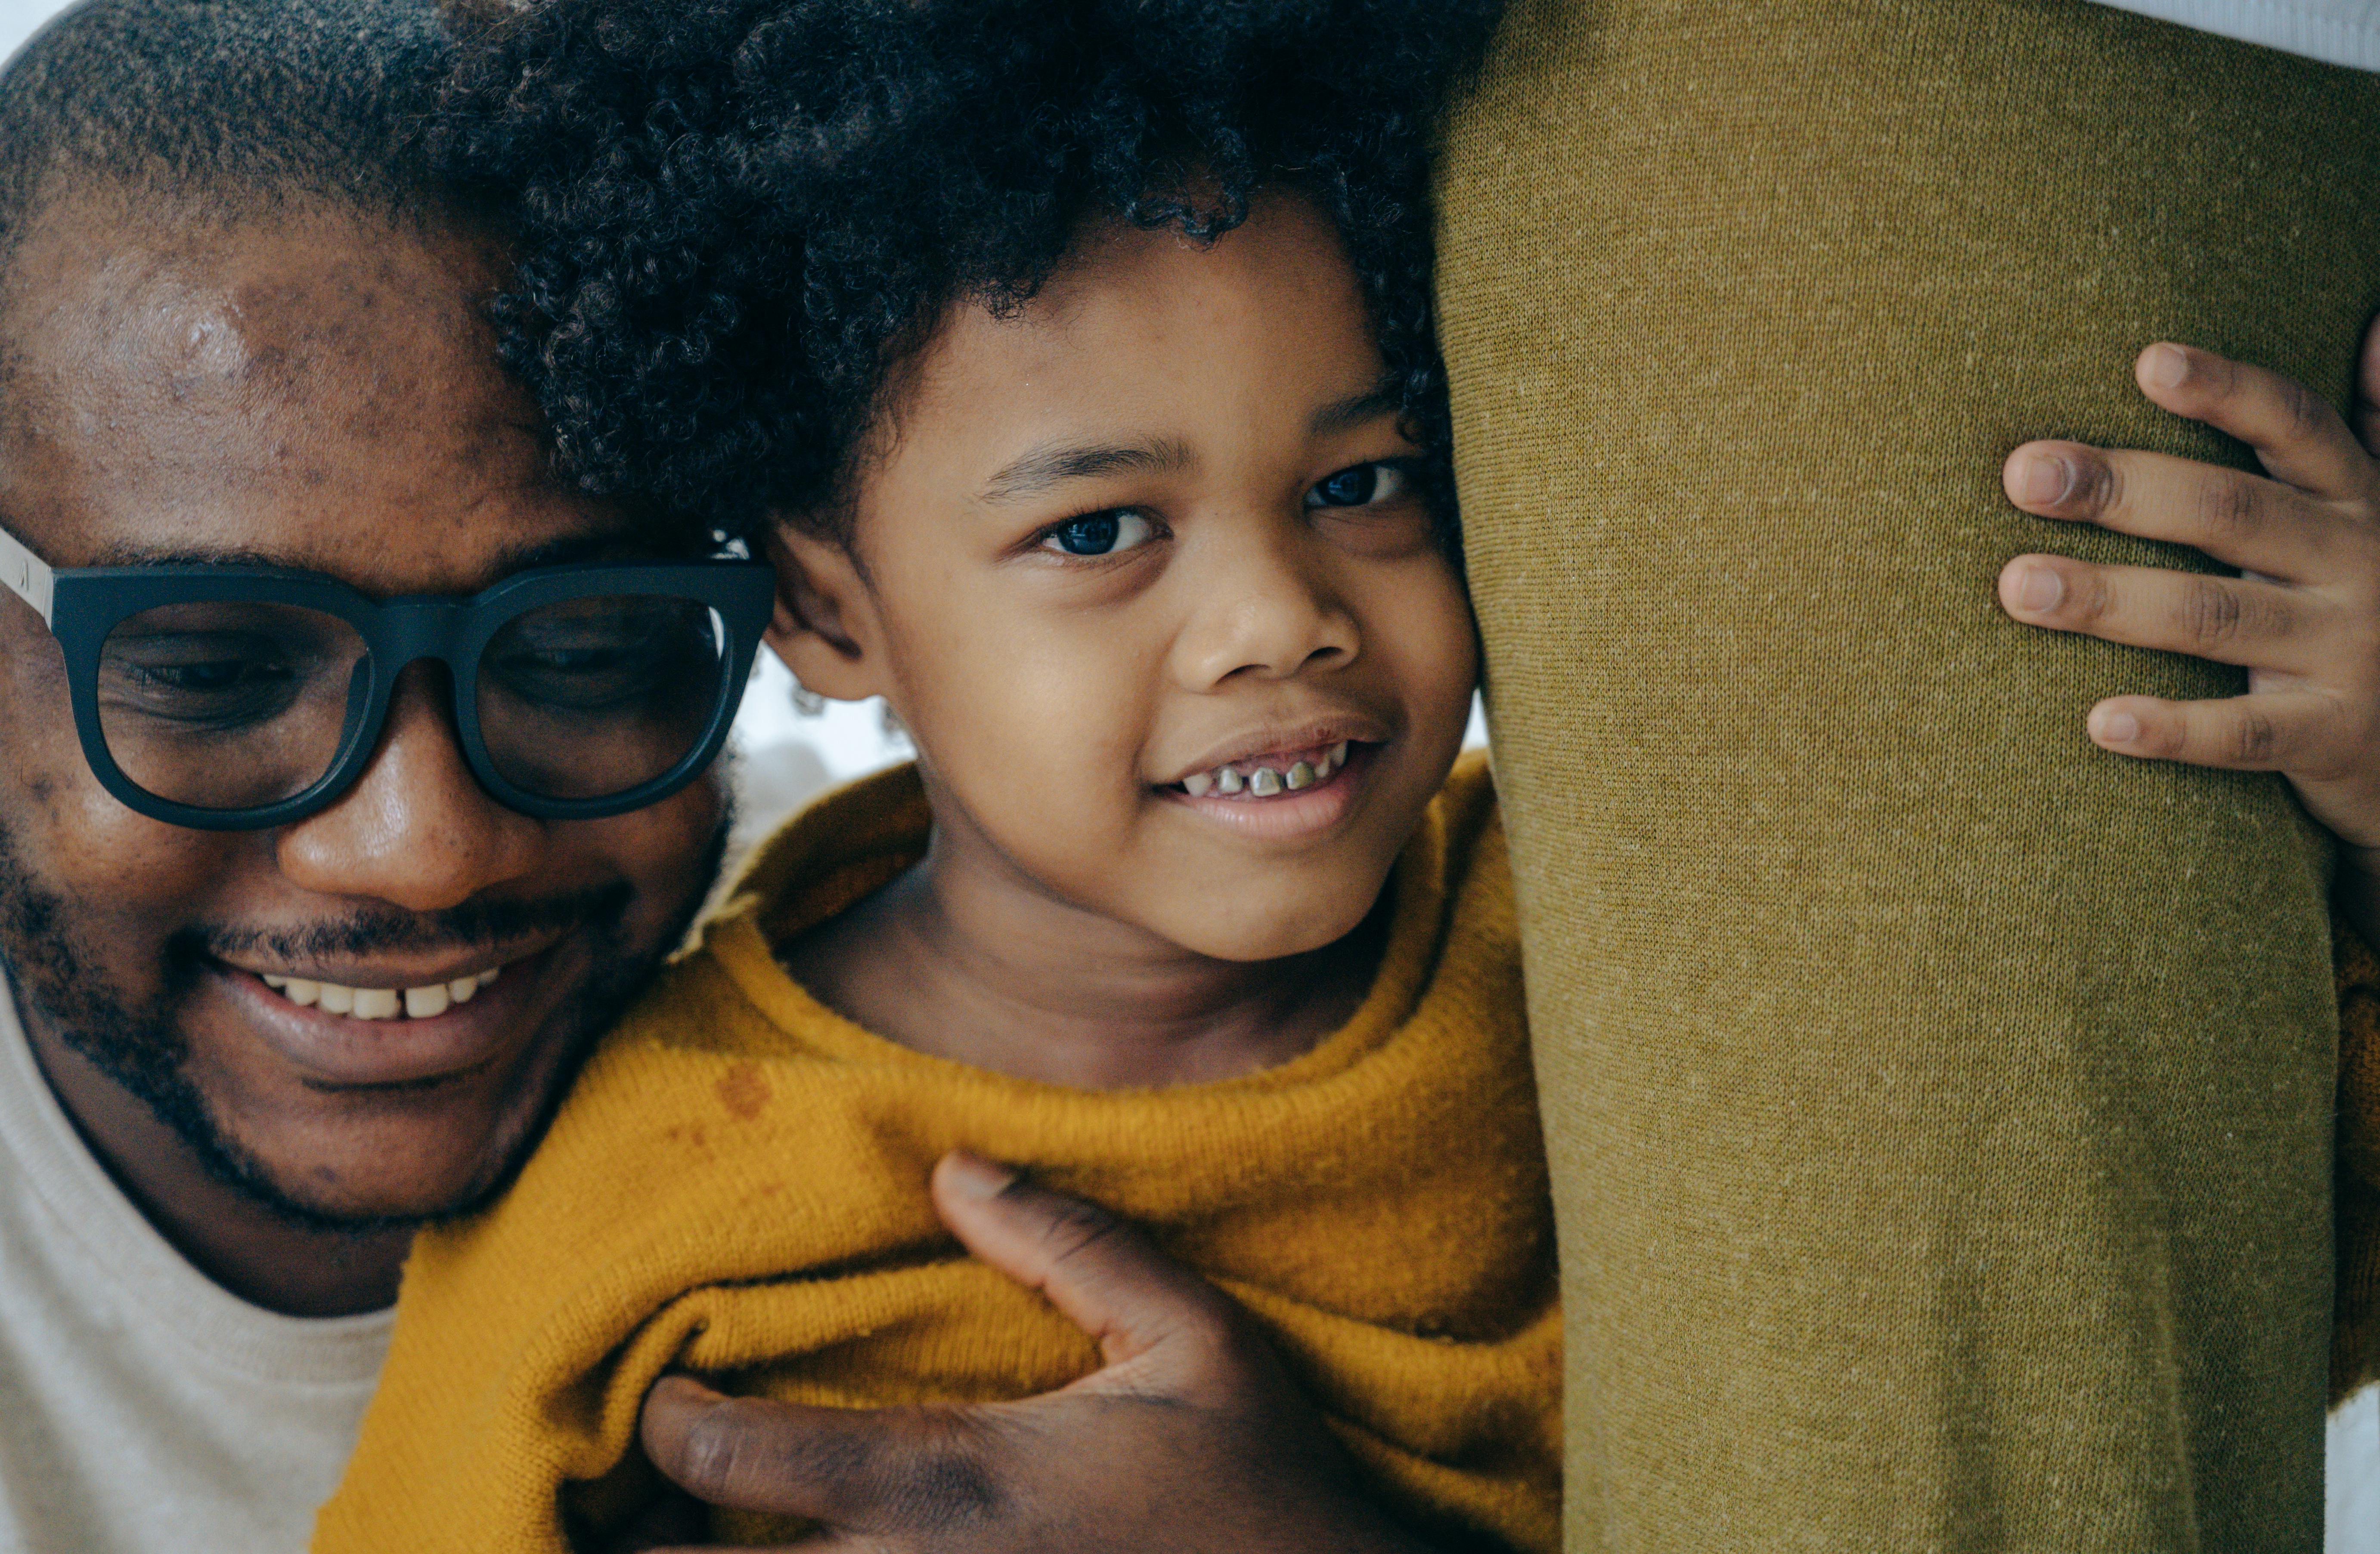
x: 1266, y: 781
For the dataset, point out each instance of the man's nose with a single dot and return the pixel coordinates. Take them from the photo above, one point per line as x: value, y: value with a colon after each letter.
x: 417, y: 831
x: 1266, y: 611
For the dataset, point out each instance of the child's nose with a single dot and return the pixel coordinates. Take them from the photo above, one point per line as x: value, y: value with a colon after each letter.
x: 1271, y: 617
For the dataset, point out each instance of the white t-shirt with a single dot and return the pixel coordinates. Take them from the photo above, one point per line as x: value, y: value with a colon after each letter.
x: 2342, y: 31
x: 144, y: 1409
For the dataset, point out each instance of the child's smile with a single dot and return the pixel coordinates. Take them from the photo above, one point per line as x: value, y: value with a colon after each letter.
x: 1284, y: 789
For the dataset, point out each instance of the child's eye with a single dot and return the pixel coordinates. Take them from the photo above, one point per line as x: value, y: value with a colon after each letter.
x: 1100, y: 534
x: 1358, y: 485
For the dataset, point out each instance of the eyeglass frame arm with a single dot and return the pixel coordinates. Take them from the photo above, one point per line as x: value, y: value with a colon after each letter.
x: 27, y: 576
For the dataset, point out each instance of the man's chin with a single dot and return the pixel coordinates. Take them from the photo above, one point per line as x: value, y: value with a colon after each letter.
x: 385, y: 1185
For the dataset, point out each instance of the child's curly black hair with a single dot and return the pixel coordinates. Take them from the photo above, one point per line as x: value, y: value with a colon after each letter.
x: 736, y: 219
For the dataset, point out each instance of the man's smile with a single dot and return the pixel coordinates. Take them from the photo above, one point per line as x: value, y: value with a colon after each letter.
x: 389, y: 989
x: 409, y: 1035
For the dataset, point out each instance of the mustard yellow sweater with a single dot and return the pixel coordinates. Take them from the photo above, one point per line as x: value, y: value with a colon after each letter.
x: 737, y: 1185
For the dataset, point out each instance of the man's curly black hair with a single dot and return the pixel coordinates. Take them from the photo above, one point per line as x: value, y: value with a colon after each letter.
x: 738, y: 219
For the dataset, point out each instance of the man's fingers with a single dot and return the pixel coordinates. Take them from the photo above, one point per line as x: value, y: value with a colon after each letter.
x: 2229, y: 620
x: 856, y: 1468
x: 2267, y: 732
x: 2242, y: 519
x: 1100, y: 1273
x: 2300, y: 437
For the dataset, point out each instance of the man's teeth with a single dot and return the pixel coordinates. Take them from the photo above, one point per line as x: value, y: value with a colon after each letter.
x: 1265, y: 781
x: 381, y: 1003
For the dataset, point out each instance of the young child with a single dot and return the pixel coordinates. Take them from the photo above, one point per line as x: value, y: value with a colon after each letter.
x: 1096, y: 419
x: 1120, y: 471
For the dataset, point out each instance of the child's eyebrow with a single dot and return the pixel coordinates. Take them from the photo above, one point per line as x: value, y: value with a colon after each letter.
x: 1353, y: 411
x: 1054, y: 463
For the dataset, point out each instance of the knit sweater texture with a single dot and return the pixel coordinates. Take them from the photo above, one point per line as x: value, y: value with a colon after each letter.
x: 737, y: 1185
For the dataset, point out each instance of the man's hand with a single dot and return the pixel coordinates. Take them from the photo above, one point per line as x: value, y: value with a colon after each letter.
x: 2304, y: 619
x: 1190, y: 1439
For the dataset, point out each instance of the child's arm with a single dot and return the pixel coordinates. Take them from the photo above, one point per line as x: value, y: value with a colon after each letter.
x: 2305, y: 622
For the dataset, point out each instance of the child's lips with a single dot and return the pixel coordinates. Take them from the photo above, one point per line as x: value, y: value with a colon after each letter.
x: 1281, y: 745
x: 1258, y: 778
x: 1271, y: 810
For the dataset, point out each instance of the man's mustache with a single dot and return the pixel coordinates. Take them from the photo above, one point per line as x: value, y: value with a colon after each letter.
x: 471, y: 924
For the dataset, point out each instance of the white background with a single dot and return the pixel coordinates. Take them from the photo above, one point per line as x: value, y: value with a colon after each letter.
x: 785, y: 758
x: 18, y: 18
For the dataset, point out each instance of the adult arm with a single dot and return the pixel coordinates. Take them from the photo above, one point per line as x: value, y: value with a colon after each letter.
x: 1939, y: 1107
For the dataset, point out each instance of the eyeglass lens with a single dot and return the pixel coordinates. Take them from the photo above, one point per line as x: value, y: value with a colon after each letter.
x: 589, y: 697
x: 229, y: 706
x: 239, y: 706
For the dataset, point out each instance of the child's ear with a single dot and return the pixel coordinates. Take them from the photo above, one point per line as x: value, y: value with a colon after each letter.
x: 824, y: 623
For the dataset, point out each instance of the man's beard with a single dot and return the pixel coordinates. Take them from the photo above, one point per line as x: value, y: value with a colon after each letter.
x: 143, y: 1052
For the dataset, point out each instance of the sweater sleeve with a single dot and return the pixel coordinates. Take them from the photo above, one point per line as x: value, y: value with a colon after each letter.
x: 2355, y: 1340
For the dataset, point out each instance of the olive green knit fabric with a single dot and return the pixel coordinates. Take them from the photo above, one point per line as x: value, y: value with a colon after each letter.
x: 1941, y: 1110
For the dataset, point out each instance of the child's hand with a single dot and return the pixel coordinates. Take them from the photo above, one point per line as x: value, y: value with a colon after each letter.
x: 2305, y: 620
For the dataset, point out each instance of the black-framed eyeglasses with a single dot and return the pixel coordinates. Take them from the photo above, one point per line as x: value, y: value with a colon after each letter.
x: 237, y: 698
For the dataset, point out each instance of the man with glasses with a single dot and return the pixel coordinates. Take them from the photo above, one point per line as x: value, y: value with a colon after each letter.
x: 355, y: 774
x: 357, y: 777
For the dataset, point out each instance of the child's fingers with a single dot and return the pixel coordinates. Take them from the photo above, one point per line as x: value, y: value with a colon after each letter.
x: 2241, y: 519
x: 2229, y: 620
x: 2270, y: 731
x: 2300, y: 438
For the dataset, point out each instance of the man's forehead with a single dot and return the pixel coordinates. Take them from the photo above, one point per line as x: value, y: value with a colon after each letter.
x: 313, y: 387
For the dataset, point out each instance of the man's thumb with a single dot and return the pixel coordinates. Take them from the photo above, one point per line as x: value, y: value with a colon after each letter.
x: 1100, y: 1273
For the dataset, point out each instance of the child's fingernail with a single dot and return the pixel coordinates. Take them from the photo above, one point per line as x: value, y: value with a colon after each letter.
x: 973, y: 1177
x: 2164, y: 367
x: 2120, y: 728
x: 2039, y: 589
x: 2042, y: 479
